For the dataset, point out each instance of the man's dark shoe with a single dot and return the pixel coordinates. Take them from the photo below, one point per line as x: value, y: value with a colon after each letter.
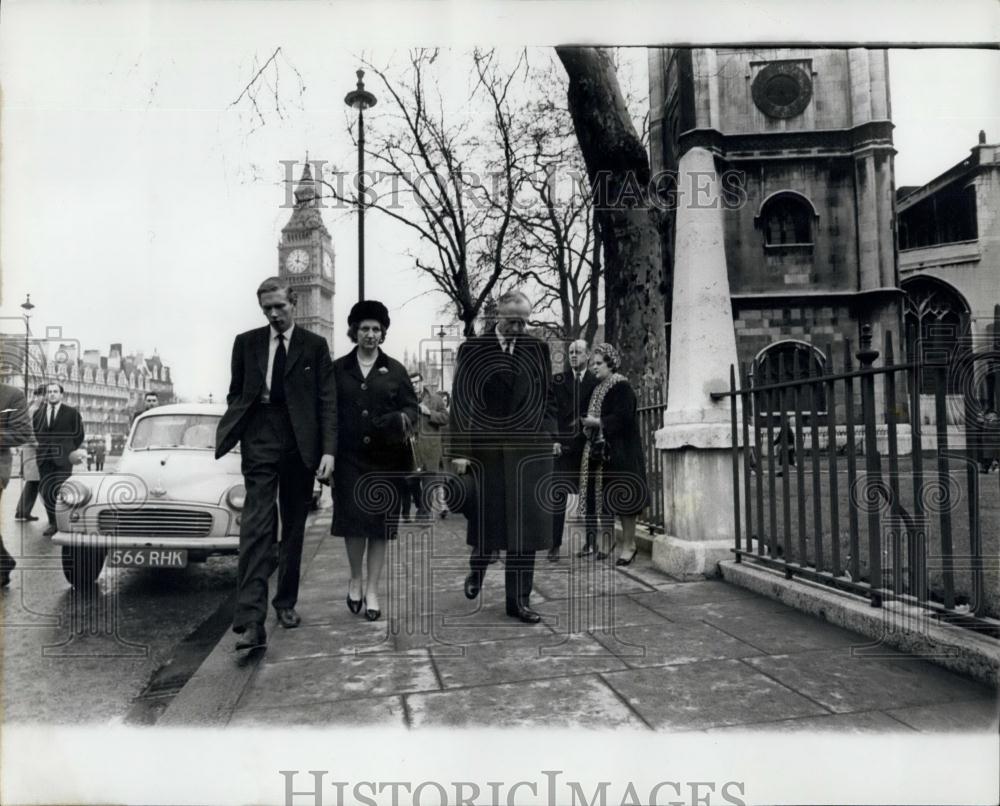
x: 473, y: 584
x: 553, y: 554
x: 7, y: 565
x: 253, y: 637
x: 587, y: 551
x: 50, y: 530
x: 288, y: 618
x: 524, y: 613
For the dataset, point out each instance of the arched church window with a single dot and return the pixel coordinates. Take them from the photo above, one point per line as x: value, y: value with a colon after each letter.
x: 785, y: 361
x: 787, y: 220
x: 934, y: 316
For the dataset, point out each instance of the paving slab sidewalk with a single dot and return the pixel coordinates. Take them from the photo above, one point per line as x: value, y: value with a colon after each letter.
x: 629, y: 648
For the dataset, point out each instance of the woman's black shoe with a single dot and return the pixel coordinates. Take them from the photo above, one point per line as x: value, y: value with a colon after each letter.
x: 623, y: 561
x: 371, y: 615
x: 602, y: 555
x: 354, y: 605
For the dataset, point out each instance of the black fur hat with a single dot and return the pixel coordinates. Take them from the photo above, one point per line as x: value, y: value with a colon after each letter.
x: 369, y: 309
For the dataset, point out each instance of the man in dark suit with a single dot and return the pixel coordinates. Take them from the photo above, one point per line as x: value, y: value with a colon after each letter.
x: 572, y: 392
x: 283, y: 412
x: 504, y: 433
x: 150, y: 401
x: 15, y: 429
x: 59, y: 431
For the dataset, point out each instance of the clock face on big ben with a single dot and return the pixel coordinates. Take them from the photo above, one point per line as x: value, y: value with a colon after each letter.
x: 297, y: 261
x: 327, y: 265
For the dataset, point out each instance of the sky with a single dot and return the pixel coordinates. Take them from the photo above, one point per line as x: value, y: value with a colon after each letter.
x: 141, y: 201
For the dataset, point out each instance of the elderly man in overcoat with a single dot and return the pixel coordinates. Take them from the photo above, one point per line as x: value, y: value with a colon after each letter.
x: 504, y: 433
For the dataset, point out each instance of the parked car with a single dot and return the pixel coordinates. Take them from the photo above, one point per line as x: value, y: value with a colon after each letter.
x: 169, y: 502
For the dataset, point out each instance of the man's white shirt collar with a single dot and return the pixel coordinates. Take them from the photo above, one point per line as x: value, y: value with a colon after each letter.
x: 287, y: 334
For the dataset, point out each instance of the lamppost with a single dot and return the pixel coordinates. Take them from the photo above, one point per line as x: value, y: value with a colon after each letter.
x: 27, y: 307
x: 441, y: 334
x: 361, y: 100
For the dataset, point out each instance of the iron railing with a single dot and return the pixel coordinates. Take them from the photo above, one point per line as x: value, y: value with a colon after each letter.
x: 650, y: 412
x: 882, y: 531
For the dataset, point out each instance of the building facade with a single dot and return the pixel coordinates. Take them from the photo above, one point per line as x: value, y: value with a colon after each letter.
x: 306, y: 259
x: 802, y: 141
x: 107, y: 389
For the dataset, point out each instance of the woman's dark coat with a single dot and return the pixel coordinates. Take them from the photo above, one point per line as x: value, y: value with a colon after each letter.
x: 373, y: 448
x: 503, y: 419
x: 625, y: 488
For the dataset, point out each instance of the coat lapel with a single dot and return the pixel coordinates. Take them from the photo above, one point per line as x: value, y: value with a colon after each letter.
x: 294, y: 349
x: 260, y: 348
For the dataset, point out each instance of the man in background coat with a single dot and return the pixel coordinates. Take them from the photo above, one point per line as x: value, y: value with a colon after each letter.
x: 29, y: 466
x: 15, y: 429
x: 59, y: 431
x: 283, y: 412
x: 572, y: 393
x: 503, y: 432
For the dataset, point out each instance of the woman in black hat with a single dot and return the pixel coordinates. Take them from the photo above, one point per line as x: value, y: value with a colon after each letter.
x: 376, y: 412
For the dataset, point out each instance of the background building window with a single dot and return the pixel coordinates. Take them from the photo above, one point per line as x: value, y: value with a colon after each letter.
x: 935, y: 316
x: 787, y: 361
x: 787, y: 219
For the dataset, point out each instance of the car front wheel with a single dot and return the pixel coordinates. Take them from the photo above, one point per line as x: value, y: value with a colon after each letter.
x: 82, y: 565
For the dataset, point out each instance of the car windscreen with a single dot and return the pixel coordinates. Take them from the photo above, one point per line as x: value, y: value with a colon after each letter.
x: 195, y: 431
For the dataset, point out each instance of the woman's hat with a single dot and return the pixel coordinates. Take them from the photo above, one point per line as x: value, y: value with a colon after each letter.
x: 369, y: 309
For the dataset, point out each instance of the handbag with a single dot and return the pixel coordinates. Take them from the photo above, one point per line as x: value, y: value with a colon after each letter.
x: 599, y: 453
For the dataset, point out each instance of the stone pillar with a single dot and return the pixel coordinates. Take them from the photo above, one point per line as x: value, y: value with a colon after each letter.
x: 696, y: 434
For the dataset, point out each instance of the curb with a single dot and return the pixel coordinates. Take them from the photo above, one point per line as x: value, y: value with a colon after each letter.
x: 211, y: 696
x: 894, y: 625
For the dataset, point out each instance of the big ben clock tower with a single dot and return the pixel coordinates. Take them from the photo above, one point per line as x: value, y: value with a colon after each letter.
x: 305, y: 258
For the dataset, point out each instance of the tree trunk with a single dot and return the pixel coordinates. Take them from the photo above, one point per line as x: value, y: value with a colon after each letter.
x: 619, y: 172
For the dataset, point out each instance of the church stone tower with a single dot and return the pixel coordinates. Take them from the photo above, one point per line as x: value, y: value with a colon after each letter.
x: 305, y: 258
x: 809, y: 243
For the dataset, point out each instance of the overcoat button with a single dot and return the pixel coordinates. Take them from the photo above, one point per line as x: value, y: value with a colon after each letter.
x: 366, y: 440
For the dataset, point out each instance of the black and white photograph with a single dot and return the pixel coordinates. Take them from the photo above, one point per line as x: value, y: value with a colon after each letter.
x: 499, y: 403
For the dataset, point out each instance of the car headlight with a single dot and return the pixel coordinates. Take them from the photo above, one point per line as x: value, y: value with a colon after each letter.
x: 74, y: 494
x: 236, y: 496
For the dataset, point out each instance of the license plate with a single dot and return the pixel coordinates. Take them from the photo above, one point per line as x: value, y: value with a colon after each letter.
x: 148, y: 558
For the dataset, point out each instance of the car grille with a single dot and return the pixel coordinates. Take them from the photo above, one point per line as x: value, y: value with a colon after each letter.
x: 149, y: 522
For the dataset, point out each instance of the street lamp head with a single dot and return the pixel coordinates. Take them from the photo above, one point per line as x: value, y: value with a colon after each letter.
x: 27, y: 306
x: 441, y: 332
x: 360, y: 98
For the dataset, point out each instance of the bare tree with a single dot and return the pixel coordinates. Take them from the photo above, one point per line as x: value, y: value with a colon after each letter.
x: 460, y: 167
x: 619, y: 172
x: 557, y: 235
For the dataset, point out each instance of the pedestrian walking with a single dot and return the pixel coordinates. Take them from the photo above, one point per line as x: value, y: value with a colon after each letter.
x: 282, y: 410
x: 377, y: 409
x: 572, y: 391
x: 428, y: 450
x: 59, y: 433
x: 99, y: 455
x: 503, y: 431
x: 29, y: 465
x: 15, y: 429
x: 612, y: 470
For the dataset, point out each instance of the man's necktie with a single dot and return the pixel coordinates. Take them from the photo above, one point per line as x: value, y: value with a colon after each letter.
x: 52, y: 415
x: 278, y: 372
